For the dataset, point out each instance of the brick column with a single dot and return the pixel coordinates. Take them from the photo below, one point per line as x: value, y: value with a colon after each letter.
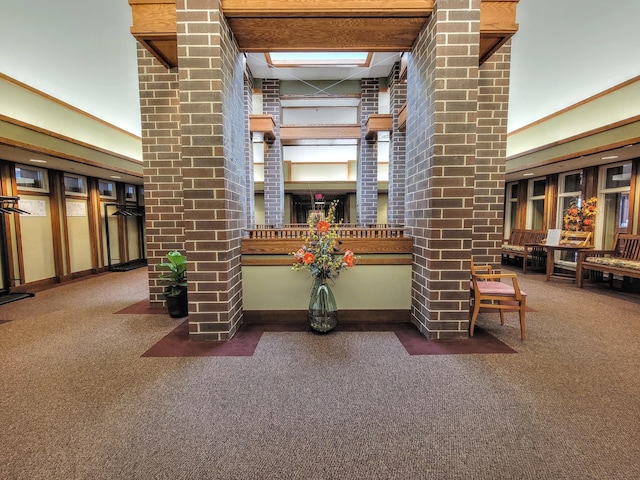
x: 367, y: 182
x: 397, y: 170
x: 248, y: 152
x: 162, y: 165
x: 273, y: 174
x: 488, y: 206
x: 442, y: 87
x: 213, y: 157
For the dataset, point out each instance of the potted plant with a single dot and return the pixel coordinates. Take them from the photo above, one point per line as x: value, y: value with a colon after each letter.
x: 176, y: 292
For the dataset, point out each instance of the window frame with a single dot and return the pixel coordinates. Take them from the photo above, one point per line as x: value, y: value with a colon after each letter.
x: 83, y: 179
x: 44, y: 179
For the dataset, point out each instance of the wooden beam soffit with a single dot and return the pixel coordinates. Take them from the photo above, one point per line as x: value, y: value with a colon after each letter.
x: 263, y: 124
x: 313, y: 25
x: 378, y: 122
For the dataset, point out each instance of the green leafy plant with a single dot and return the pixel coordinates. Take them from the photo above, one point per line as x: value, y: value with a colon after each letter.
x: 177, y: 274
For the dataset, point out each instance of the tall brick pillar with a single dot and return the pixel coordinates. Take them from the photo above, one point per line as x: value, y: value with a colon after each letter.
x: 442, y: 86
x: 367, y: 182
x: 488, y: 207
x: 213, y: 166
x: 162, y: 165
x: 250, y: 204
x: 397, y: 147
x: 273, y: 173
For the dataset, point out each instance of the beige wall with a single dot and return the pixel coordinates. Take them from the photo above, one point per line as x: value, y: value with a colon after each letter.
x: 79, y: 235
x: 363, y: 287
x: 37, y: 238
x: 599, y: 111
x: 31, y: 108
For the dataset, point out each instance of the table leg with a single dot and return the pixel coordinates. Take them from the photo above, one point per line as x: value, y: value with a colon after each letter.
x: 550, y: 262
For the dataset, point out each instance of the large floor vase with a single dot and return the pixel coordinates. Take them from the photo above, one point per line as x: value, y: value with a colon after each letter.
x: 323, y: 311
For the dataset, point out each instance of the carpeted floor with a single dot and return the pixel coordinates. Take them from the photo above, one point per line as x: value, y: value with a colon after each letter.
x: 79, y: 399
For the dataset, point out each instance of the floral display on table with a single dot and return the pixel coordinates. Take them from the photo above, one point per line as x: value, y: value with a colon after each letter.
x: 320, y: 255
x: 580, y: 218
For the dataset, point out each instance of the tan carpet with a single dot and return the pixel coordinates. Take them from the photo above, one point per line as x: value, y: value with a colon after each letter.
x: 78, y: 400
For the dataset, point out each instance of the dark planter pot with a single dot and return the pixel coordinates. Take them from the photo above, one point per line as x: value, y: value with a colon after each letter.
x: 177, y: 305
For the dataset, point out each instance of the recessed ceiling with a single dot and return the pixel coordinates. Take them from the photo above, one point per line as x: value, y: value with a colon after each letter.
x: 380, y: 66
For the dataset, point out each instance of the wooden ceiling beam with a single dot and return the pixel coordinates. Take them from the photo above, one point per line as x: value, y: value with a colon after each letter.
x: 326, y: 8
x: 314, y: 25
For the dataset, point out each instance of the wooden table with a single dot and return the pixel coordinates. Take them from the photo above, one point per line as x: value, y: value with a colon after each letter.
x: 551, y: 262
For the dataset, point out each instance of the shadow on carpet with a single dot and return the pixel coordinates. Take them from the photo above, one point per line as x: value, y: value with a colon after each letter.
x: 245, y: 341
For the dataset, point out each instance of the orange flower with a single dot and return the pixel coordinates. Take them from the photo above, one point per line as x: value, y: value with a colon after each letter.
x: 323, y: 226
x: 299, y: 255
x: 573, y: 211
x: 587, y: 221
x: 348, y: 258
x: 308, y: 258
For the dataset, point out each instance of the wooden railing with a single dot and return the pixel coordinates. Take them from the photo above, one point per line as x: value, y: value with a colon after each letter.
x: 300, y: 230
x: 373, y: 240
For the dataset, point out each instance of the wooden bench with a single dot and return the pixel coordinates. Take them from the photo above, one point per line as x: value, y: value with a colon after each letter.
x: 623, y: 259
x: 522, y: 244
x: 531, y: 248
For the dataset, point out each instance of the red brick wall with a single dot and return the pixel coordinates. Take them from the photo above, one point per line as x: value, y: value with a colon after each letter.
x: 442, y: 87
x: 250, y: 206
x: 397, y: 147
x: 273, y: 173
x: 214, y: 129
x: 367, y: 189
x: 162, y: 169
x: 488, y: 207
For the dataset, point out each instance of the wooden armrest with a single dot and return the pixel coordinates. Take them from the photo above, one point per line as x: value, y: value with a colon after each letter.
x: 495, y: 276
x: 483, y: 268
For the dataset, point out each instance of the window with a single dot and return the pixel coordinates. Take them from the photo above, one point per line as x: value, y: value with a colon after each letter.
x: 75, y: 185
x: 535, y: 204
x: 130, y: 193
x: 34, y: 179
x: 570, y: 188
x: 511, y: 208
x: 107, y: 189
x: 613, y: 203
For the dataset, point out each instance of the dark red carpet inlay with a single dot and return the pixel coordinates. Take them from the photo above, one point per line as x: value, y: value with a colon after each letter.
x: 244, y: 343
x: 143, y: 307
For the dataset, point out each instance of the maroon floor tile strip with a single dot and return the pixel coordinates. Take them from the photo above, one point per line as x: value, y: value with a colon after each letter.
x: 178, y: 344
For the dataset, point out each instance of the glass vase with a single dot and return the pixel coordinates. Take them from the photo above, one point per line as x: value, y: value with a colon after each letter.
x: 323, y: 310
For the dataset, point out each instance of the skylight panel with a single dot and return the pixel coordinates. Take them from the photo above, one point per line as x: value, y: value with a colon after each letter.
x: 319, y: 59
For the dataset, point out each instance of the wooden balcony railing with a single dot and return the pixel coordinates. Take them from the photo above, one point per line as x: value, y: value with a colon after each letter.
x: 376, y: 240
x: 300, y: 230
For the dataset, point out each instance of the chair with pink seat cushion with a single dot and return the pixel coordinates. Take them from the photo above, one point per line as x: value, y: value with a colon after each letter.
x: 488, y: 290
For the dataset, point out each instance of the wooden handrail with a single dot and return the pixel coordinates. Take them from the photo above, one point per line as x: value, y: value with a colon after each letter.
x: 344, y: 231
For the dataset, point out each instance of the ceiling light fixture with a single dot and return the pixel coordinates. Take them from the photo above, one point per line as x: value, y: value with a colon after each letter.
x: 530, y: 174
x: 115, y: 176
x: 610, y: 157
x: 37, y: 160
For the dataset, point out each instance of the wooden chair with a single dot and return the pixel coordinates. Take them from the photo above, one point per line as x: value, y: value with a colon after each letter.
x: 489, y: 291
